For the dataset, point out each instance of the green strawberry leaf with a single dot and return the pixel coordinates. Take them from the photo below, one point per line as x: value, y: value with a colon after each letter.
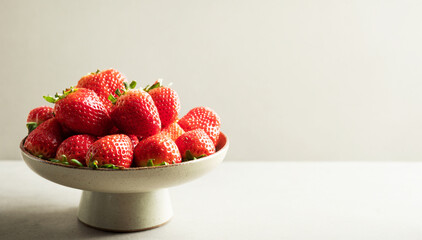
x: 54, y: 160
x: 132, y: 85
x: 50, y: 99
x: 112, y: 98
x: 189, y: 156
x: 77, y: 162
x: 156, y: 84
x: 150, y: 163
x: 93, y: 164
x: 109, y: 165
x: 118, y: 93
x: 31, y: 126
x: 57, y: 96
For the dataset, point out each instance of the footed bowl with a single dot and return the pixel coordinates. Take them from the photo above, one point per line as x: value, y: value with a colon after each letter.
x: 126, y: 200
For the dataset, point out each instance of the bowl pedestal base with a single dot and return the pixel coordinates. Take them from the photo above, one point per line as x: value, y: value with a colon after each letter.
x: 125, y: 212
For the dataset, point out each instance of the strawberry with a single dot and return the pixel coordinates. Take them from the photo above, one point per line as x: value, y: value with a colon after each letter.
x: 73, y: 150
x: 195, y: 144
x: 156, y: 150
x: 37, y: 116
x: 167, y: 102
x: 112, y: 151
x: 134, y: 112
x: 134, y: 139
x: 173, y: 131
x: 45, y: 139
x: 81, y: 110
x: 103, y: 83
x: 204, y: 118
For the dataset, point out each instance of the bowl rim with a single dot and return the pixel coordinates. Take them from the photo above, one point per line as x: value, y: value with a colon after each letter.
x: 44, y: 161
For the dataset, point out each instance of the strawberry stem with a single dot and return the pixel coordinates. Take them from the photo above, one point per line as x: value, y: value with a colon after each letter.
x: 96, y: 72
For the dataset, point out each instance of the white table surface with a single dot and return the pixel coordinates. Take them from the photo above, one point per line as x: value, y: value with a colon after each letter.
x: 240, y: 200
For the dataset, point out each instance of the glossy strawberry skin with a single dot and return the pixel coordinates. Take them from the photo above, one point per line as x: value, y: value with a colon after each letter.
x: 203, y: 118
x: 173, y: 131
x: 75, y: 147
x: 135, y: 113
x: 168, y: 104
x: 134, y: 140
x: 197, y: 142
x: 159, y: 148
x: 45, y: 139
x: 103, y: 84
x: 83, y: 112
x: 40, y: 114
x: 112, y: 149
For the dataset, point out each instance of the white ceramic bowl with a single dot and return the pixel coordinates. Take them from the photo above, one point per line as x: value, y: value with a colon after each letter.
x: 130, y: 199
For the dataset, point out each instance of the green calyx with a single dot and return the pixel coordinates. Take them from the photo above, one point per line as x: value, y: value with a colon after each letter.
x: 119, y: 92
x: 96, y: 72
x: 156, y: 84
x: 151, y: 163
x: 57, y: 97
x: 111, y: 166
x: 31, y: 126
x: 189, y: 156
x: 65, y: 161
x: 94, y: 165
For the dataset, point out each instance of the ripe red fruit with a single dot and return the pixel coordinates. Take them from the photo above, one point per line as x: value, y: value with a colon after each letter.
x: 75, y: 148
x: 112, y: 151
x: 103, y: 83
x: 45, y: 139
x: 167, y: 102
x: 80, y: 110
x: 195, y: 144
x: 134, y: 140
x: 134, y: 112
x: 156, y: 150
x: 173, y: 131
x: 204, y: 118
x: 37, y: 116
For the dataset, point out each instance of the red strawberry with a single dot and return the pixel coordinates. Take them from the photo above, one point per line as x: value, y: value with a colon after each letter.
x: 195, y: 144
x: 45, y: 139
x: 113, y: 130
x: 167, y: 102
x: 134, y: 140
x: 134, y: 112
x: 173, y: 131
x: 204, y: 118
x: 112, y: 151
x: 103, y: 83
x: 37, y: 116
x: 75, y: 148
x: 156, y: 150
x: 80, y: 110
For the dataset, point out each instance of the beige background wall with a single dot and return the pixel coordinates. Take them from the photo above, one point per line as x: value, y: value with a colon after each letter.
x: 292, y: 80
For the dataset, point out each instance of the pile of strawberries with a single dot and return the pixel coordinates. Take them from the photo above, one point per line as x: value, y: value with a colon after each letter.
x: 104, y: 122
